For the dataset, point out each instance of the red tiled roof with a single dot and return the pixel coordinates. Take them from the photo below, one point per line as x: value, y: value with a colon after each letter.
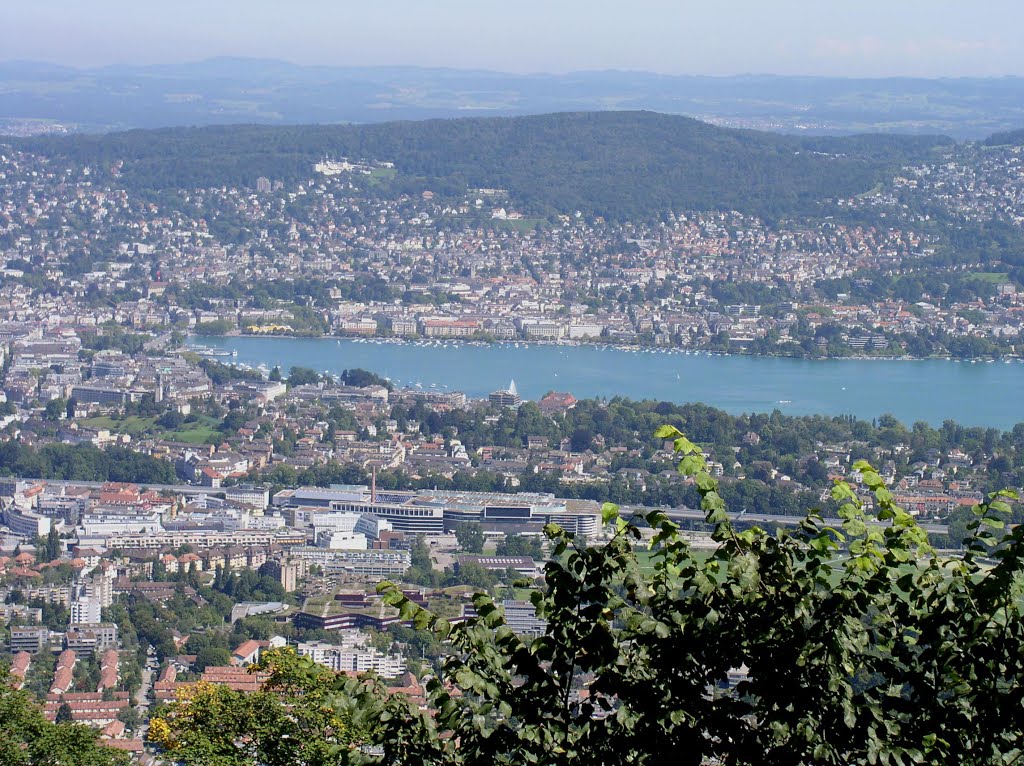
x: 130, y: 745
x: 235, y: 678
x: 245, y: 651
x: 20, y: 663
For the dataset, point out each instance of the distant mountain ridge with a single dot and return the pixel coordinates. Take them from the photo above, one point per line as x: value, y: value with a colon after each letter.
x: 239, y: 90
x: 622, y: 165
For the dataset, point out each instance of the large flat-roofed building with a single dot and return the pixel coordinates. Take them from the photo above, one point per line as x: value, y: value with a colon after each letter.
x: 522, y: 513
x: 25, y: 523
x: 347, y: 525
x: 206, y: 538
x: 31, y: 639
x: 336, y: 393
x: 506, y: 397
x: 455, y: 399
x: 449, y: 328
x: 68, y: 509
x: 98, y: 525
x: 352, y: 659
x: 87, y: 639
x: 104, y: 395
x: 361, y: 563
x: 544, y: 330
x: 345, y: 612
x: 523, y: 565
x: 343, y: 621
x: 406, y: 511
x: 258, y: 497
x: 433, y: 512
x: 521, y: 617
x: 86, y: 611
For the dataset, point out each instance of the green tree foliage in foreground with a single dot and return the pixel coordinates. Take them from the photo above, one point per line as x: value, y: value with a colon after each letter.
x: 28, y: 739
x: 306, y: 714
x: 858, y: 645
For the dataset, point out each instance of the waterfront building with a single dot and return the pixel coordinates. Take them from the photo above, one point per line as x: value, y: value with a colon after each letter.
x: 508, y: 397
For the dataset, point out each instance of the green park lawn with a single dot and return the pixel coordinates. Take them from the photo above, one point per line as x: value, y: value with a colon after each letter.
x: 520, y: 224
x: 197, y: 432
x: 995, y: 277
x: 379, y: 175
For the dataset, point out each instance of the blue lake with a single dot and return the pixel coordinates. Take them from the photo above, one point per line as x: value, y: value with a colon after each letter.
x: 985, y: 394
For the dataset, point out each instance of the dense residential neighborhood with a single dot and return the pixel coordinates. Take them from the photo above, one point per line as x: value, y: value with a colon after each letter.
x: 337, y: 255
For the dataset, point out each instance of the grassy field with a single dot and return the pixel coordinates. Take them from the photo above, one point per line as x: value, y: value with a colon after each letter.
x: 872, y: 191
x: 995, y: 277
x: 521, y: 224
x: 197, y: 432
x: 380, y: 175
x: 132, y: 425
x: 646, y: 558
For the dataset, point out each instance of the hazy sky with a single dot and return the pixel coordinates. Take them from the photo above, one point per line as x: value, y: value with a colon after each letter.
x: 834, y: 37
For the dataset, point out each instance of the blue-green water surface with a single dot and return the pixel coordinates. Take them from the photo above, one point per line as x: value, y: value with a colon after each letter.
x: 932, y: 390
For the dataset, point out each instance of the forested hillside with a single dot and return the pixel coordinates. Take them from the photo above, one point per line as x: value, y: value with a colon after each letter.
x: 1007, y: 138
x: 622, y: 165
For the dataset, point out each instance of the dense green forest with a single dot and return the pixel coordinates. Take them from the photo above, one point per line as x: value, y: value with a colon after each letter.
x: 622, y: 165
x: 83, y: 462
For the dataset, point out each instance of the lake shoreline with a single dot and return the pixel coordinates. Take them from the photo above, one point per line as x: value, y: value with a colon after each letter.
x: 630, y: 348
x: 930, y: 390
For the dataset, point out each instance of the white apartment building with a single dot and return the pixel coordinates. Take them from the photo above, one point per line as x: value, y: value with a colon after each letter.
x: 258, y: 497
x: 85, y: 611
x: 353, y: 658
